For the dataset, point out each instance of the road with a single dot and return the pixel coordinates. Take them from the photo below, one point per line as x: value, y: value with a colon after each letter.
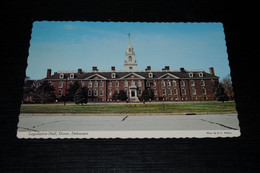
x: 127, y: 122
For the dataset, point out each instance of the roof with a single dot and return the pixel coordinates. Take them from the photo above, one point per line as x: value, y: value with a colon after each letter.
x: 121, y: 75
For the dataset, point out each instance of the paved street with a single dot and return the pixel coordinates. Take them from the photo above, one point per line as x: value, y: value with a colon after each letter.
x: 127, y: 122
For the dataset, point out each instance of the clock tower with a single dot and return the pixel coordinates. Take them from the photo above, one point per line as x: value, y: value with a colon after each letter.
x: 130, y: 62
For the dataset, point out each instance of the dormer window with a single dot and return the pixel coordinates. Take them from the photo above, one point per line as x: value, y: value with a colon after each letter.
x: 113, y: 75
x: 72, y: 75
x: 200, y: 74
x: 61, y: 76
x: 150, y: 75
x: 190, y: 74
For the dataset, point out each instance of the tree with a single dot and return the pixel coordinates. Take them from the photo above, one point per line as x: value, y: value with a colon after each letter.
x: 220, y: 93
x: 147, y: 94
x: 227, y: 84
x: 29, y: 89
x: 81, y: 96
x: 44, y: 92
x: 122, y: 96
x: 73, y: 87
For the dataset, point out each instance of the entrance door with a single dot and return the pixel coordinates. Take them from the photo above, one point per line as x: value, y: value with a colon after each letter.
x: 132, y: 93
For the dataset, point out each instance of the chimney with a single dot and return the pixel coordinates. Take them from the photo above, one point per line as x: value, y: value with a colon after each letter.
x: 48, y: 73
x: 94, y: 68
x: 182, y: 69
x: 80, y: 71
x: 211, y: 71
x: 167, y: 67
x: 148, y: 67
x: 113, y: 68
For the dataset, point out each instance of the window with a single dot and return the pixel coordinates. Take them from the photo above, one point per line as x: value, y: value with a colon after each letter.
x: 204, y: 91
x: 200, y: 74
x: 126, y: 91
x: 155, y: 92
x: 202, y: 83
x: 175, y: 91
x: 169, y: 83
x: 89, y: 92
x: 183, y: 90
x: 101, y: 92
x: 61, y: 76
x: 192, y: 83
x: 110, y: 84
x: 113, y: 75
x: 132, y: 83
x: 150, y: 75
x: 90, y: 84
x: 60, y: 84
x: 190, y: 74
x: 95, y: 92
x: 139, y: 91
x: 110, y: 92
x: 154, y: 83
x: 169, y: 91
x: 193, y: 91
x: 130, y: 58
x: 129, y: 50
x: 163, y: 83
x: 139, y: 83
x: 130, y: 68
x: 174, y: 83
x: 126, y: 83
x: 164, y: 91
x: 117, y: 84
x: 182, y: 83
x: 72, y: 75
x: 95, y: 84
x: 147, y: 83
x: 101, y: 84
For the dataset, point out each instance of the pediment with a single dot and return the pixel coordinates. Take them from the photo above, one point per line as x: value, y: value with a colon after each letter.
x: 132, y: 76
x: 96, y: 77
x: 168, y: 76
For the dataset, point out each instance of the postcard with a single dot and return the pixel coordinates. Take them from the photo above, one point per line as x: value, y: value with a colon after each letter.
x: 127, y: 80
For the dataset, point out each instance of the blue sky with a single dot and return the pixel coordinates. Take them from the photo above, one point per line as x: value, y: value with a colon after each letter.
x: 73, y: 45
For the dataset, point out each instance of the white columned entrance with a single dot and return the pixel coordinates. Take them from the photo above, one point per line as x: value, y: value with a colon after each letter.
x: 133, y: 93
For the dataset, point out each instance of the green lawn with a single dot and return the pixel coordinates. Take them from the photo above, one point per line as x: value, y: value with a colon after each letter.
x: 184, y: 107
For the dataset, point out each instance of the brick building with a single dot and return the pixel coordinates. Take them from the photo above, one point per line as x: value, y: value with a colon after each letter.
x: 168, y: 85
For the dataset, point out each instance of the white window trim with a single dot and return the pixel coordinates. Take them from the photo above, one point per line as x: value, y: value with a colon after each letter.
x: 89, y: 83
x: 174, y: 83
x: 96, y: 84
x: 194, y: 92
x: 113, y: 75
x: 126, y: 83
x: 72, y: 76
x: 89, y: 92
x: 200, y: 74
x: 95, y: 92
x: 183, y: 89
x: 192, y: 83
x: 101, y: 92
x: 190, y: 74
x: 60, y: 84
x: 169, y: 83
x: 175, y: 89
x: 202, y: 82
x: 204, y: 89
x: 150, y: 75
x: 117, y: 84
x: 62, y: 76
x: 182, y: 83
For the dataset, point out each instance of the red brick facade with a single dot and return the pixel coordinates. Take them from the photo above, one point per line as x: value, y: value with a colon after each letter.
x: 167, y: 85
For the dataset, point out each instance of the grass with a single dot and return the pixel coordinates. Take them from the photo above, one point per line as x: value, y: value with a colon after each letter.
x: 184, y: 107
